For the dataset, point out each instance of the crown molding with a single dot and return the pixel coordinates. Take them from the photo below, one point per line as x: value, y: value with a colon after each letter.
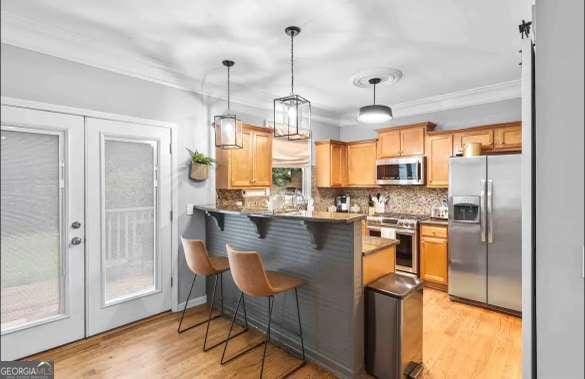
x: 67, y: 44
x: 492, y: 93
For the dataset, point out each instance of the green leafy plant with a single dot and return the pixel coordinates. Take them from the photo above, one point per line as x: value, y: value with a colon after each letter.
x: 281, y: 176
x: 200, y: 158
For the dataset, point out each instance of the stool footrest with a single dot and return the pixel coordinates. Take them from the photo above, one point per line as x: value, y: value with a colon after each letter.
x: 205, y: 348
x: 240, y: 353
x: 199, y: 323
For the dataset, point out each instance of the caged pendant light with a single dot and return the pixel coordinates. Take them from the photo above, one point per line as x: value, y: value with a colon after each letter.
x: 228, y: 127
x: 375, y: 113
x: 292, y: 113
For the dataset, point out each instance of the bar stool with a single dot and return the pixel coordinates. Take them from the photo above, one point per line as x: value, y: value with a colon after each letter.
x: 252, y: 279
x: 200, y: 263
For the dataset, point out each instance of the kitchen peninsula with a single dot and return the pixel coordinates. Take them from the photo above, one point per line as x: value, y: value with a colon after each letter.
x: 325, y: 250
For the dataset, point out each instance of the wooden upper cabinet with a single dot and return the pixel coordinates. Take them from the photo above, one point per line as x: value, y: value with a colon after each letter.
x: 389, y: 144
x: 483, y: 136
x: 412, y: 141
x: 403, y: 140
x: 250, y: 166
x: 262, y: 170
x: 508, y: 138
x: 331, y: 159
x: 241, y: 162
x: 361, y: 162
x: 439, y: 149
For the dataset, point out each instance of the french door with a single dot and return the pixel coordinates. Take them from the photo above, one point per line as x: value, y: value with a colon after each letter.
x: 129, y: 229
x: 42, y: 231
x: 85, y: 227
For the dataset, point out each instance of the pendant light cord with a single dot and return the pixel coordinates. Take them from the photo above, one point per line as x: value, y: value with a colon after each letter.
x: 292, y: 71
x: 228, y: 85
x: 374, y: 93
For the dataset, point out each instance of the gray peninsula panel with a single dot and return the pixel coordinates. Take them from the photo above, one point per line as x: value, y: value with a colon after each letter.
x: 330, y: 301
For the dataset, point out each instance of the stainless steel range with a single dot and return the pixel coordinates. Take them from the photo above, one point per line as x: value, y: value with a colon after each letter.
x: 403, y: 227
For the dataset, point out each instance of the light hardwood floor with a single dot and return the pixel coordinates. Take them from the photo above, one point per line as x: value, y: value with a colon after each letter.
x: 460, y: 341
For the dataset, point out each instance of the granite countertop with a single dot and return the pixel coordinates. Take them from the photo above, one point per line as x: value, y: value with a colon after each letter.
x: 373, y: 244
x: 434, y: 221
x: 314, y: 216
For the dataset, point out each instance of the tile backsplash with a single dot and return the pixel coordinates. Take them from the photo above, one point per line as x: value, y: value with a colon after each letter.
x: 403, y: 199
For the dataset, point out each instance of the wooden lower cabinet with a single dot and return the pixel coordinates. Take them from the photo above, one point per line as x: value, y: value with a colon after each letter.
x: 378, y: 264
x: 434, y: 268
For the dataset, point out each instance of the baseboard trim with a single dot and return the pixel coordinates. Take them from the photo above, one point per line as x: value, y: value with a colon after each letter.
x: 193, y: 302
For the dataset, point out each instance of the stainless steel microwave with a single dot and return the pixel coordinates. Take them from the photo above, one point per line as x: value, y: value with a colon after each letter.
x: 402, y: 171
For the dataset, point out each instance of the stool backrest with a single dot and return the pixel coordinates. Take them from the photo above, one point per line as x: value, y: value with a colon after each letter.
x: 197, y: 257
x: 248, y: 272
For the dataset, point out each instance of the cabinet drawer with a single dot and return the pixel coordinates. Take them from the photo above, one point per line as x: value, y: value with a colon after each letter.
x: 433, y: 231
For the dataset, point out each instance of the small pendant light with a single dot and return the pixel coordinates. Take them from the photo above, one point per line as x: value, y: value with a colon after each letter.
x: 375, y: 113
x: 228, y: 128
x: 292, y: 113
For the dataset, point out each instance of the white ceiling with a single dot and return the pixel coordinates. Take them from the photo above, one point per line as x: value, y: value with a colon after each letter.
x: 442, y: 46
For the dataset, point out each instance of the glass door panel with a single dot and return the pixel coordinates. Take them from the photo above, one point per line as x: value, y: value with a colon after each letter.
x: 42, y: 260
x: 31, y: 228
x: 130, y: 253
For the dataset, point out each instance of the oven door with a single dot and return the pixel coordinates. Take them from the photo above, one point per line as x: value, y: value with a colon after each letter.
x: 407, y: 251
x: 402, y: 171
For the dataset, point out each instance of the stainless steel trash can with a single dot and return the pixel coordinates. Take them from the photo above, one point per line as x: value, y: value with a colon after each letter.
x: 393, y: 330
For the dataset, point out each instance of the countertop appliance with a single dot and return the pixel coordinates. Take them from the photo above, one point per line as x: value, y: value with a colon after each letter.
x: 403, y: 227
x: 401, y: 171
x: 394, y: 327
x: 342, y: 203
x: 485, y: 244
x: 440, y: 211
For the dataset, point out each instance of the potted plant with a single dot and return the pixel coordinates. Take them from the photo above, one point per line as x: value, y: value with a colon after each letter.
x: 200, y: 164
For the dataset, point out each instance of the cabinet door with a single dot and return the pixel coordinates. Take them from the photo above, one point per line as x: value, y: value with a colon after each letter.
x: 508, y: 138
x: 262, y: 171
x: 389, y: 144
x: 412, y: 141
x: 241, y: 162
x: 338, y: 165
x: 439, y: 149
x: 361, y: 162
x: 483, y: 136
x: 323, y: 156
x: 434, y: 260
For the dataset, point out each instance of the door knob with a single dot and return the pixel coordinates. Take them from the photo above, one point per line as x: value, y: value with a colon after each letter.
x: 76, y: 225
x: 75, y: 241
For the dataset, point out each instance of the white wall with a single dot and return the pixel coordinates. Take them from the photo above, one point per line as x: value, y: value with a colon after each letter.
x: 559, y: 176
x: 38, y: 77
x: 503, y: 111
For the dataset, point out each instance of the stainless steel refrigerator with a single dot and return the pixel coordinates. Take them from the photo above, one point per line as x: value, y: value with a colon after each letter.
x: 485, y: 221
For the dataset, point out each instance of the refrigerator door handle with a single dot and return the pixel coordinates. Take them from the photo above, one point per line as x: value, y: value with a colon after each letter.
x: 482, y: 212
x: 490, y: 210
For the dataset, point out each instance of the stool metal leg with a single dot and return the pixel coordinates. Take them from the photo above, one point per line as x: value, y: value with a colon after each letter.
x: 229, y: 337
x: 185, y: 308
x: 179, y: 330
x: 300, y: 325
x: 270, y: 303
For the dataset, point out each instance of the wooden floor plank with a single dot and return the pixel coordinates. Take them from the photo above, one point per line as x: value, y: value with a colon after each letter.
x: 460, y: 341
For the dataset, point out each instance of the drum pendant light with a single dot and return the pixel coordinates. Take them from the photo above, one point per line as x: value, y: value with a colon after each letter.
x: 228, y: 127
x: 375, y: 113
x: 292, y: 113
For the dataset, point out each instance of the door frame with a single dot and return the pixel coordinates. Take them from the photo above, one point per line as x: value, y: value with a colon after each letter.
x: 35, y: 105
